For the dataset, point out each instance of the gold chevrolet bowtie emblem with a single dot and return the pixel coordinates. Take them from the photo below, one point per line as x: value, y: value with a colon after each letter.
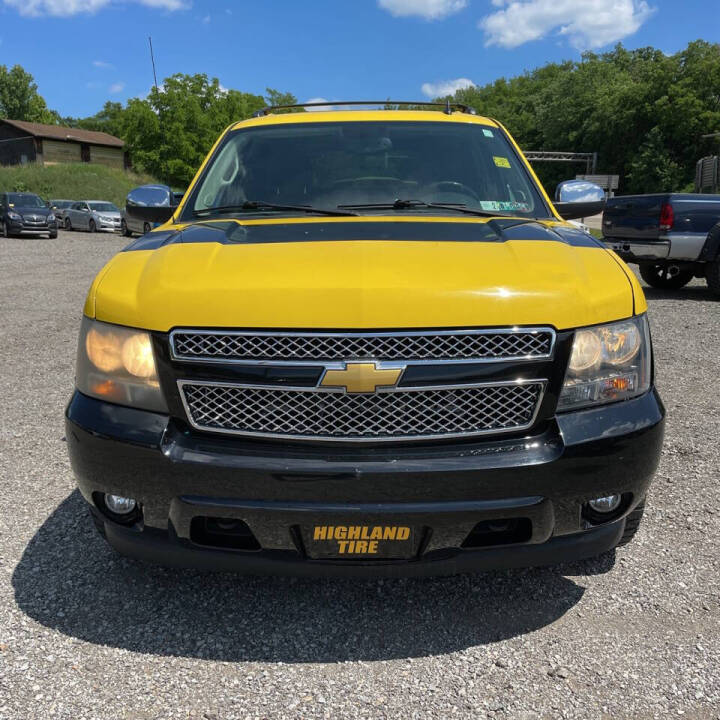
x: 361, y: 377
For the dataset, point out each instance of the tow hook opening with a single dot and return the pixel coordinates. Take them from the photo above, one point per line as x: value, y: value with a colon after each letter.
x: 220, y: 532
x: 500, y: 531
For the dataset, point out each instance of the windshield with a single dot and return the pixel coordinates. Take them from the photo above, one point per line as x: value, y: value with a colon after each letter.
x: 61, y: 203
x: 25, y: 200
x: 328, y: 164
x: 103, y: 207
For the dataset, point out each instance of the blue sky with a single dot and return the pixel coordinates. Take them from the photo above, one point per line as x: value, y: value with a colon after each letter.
x: 84, y: 52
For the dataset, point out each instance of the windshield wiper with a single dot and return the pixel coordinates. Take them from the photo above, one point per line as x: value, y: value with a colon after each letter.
x: 262, y: 205
x: 402, y: 204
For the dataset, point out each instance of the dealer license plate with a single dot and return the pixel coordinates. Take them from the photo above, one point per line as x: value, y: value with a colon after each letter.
x: 352, y: 541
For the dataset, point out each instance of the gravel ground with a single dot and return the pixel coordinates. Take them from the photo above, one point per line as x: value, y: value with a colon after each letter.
x: 87, y: 634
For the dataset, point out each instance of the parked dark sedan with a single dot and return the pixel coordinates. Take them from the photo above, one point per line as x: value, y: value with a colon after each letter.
x: 59, y: 207
x: 25, y: 213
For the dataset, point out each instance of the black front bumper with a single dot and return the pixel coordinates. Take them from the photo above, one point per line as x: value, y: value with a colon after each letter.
x: 444, y: 490
x: 19, y: 227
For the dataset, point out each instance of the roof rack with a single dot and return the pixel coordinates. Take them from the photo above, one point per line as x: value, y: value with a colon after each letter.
x: 447, y: 106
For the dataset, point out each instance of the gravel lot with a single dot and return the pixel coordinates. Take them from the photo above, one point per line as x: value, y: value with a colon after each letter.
x: 86, y: 634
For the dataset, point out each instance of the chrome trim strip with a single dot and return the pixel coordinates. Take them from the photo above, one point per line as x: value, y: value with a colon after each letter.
x: 377, y: 439
x: 638, y: 249
x: 340, y: 364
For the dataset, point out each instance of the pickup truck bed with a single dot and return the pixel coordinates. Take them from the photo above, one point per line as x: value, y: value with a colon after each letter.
x: 673, y: 237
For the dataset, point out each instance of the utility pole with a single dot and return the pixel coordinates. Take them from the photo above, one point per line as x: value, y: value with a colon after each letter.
x: 152, y: 59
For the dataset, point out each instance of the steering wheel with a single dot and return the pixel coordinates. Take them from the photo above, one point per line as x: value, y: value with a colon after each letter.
x: 451, y: 186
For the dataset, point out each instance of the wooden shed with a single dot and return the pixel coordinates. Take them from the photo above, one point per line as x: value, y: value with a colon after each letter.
x: 26, y: 142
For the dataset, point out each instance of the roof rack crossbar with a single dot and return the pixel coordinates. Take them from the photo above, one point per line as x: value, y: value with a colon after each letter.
x: 446, y: 106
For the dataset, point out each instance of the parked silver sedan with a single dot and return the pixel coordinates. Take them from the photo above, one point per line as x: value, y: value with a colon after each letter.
x: 92, y: 215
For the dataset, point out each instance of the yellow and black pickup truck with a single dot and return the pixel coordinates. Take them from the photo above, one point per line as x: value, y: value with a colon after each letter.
x: 365, y: 343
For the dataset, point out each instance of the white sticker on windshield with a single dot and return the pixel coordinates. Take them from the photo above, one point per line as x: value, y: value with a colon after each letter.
x: 487, y: 133
x: 495, y: 206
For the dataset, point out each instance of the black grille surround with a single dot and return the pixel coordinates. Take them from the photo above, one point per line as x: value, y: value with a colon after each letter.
x: 282, y: 347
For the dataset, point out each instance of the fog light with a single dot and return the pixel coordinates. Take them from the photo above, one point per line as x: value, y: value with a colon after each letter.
x: 119, y: 505
x: 606, y: 504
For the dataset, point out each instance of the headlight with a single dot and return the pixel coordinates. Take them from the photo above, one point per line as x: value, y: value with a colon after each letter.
x: 51, y: 218
x: 15, y: 216
x: 608, y: 363
x: 117, y: 364
x: 104, y: 218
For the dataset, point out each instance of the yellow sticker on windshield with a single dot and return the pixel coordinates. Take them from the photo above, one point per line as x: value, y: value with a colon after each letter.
x: 501, y: 161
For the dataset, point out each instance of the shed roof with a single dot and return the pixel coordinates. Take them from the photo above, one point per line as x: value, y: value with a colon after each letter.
x: 58, y: 132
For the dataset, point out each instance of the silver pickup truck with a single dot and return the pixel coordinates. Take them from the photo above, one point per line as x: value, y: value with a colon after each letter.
x: 673, y: 237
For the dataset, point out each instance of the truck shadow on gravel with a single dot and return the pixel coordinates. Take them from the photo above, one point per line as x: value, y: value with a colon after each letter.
x: 698, y: 293
x: 69, y: 580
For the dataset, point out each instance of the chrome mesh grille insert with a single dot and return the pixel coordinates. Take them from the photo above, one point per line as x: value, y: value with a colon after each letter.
x: 396, y: 346
x: 392, y: 415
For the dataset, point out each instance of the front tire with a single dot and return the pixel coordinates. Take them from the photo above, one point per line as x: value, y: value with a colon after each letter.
x: 146, y: 228
x: 712, y: 275
x: 665, y: 276
x: 124, y: 229
x: 53, y: 235
x: 68, y: 224
x: 632, y: 524
x: 91, y: 226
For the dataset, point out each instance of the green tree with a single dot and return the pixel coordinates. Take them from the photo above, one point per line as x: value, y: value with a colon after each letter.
x: 19, y: 97
x: 651, y: 168
x: 170, y: 133
x: 634, y: 107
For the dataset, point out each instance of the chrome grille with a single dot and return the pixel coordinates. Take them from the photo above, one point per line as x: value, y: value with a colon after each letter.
x: 395, y: 414
x: 446, y: 345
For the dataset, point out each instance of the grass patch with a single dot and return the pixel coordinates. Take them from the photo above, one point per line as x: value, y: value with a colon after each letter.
x: 73, y: 181
x: 596, y: 232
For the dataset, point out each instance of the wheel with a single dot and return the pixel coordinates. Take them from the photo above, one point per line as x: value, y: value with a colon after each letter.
x: 146, y: 228
x: 91, y: 226
x: 665, y: 277
x: 68, y: 224
x: 5, y: 230
x: 124, y: 229
x: 53, y: 235
x: 712, y: 274
x: 632, y: 524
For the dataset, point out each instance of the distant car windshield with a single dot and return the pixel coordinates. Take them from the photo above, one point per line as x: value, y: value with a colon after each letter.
x: 331, y: 164
x: 25, y: 200
x: 61, y: 203
x: 103, y: 207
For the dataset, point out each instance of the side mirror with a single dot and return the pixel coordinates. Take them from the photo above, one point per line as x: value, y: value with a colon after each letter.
x: 151, y: 203
x: 578, y: 198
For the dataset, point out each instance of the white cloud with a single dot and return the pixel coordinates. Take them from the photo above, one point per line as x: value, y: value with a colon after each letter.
x: 316, y: 100
x: 585, y: 23
x: 206, y: 20
x: 66, y: 8
x: 428, y: 9
x: 103, y: 65
x: 116, y: 88
x: 445, y: 87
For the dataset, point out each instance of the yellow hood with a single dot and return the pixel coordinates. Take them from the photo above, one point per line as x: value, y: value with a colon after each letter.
x: 364, y: 284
